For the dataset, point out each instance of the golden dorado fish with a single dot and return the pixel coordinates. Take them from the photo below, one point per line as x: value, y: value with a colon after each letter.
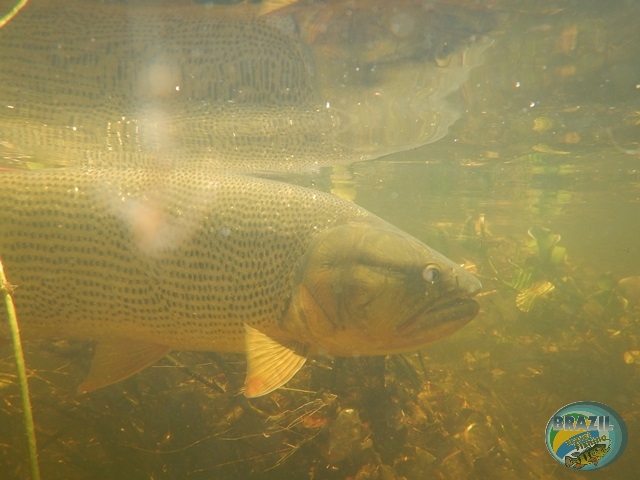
x: 145, y: 262
x: 92, y: 83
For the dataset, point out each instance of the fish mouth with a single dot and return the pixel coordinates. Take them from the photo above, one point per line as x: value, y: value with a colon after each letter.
x: 449, y: 313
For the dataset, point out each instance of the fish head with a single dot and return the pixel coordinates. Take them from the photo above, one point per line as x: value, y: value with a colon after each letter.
x: 365, y: 289
x: 600, y: 450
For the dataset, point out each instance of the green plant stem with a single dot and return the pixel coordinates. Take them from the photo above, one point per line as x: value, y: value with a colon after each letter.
x: 14, y: 11
x: 6, y: 289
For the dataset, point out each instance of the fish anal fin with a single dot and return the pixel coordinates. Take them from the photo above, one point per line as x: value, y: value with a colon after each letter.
x: 270, y: 363
x: 117, y: 359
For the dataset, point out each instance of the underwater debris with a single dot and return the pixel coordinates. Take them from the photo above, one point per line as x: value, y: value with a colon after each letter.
x: 346, y: 437
x: 628, y: 293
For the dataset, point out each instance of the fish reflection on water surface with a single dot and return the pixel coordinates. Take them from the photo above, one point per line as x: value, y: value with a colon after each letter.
x: 104, y: 84
x: 146, y: 262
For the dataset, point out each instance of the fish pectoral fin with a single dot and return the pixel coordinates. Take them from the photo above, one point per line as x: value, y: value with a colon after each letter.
x: 270, y: 363
x: 117, y: 359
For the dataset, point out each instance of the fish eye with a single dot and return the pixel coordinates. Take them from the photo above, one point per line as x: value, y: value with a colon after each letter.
x: 443, y: 54
x: 432, y: 273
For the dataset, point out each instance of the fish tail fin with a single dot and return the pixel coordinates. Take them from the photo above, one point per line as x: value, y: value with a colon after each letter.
x: 569, y: 461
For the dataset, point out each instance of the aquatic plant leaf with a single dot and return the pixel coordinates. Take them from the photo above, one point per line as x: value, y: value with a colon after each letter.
x: 526, y: 298
x: 546, y: 246
x: 521, y: 279
x: 557, y: 255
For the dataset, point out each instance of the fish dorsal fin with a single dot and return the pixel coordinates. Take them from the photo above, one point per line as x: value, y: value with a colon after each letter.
x: 270, y: 364
x: 117, y: 359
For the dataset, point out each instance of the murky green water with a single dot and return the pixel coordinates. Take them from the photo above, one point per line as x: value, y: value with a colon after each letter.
x: 547, y: 144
